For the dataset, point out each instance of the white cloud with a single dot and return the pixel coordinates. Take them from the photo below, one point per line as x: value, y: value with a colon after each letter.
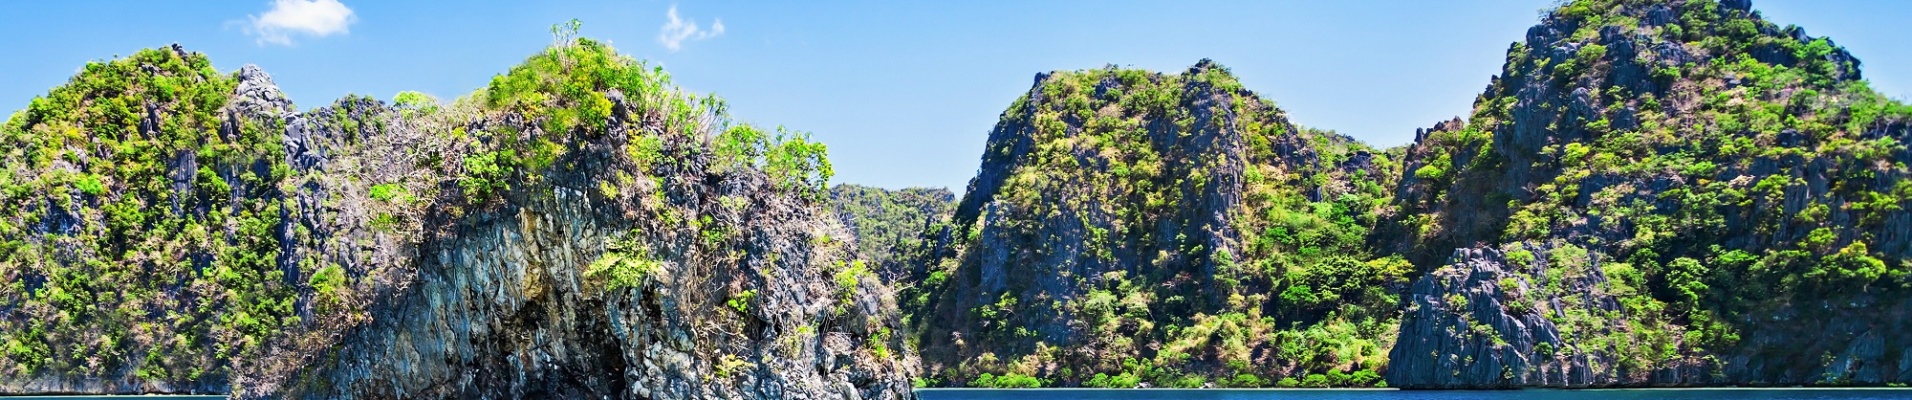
x: 287, y: 18
x: 678, y: 30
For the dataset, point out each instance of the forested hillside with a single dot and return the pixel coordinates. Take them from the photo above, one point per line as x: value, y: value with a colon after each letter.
x: 889, y: 224
x: 1649, y: 193
x: 141, y: 226
x: 578, y: 228
x: 1661, y: 193
x: 1130, y: 227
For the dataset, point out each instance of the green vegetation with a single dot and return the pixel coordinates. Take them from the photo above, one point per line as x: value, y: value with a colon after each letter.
x: 1010, y: 381
x: 389, y: 192
x: 889, y: 223
x: 1129, y: 228
x: 154, y: 226
x: 415, y: 102
x: 625, y: 263
x: 789, y: 158
x: 1704, y: 172
x: 108, y: 265
x: 1124, y: 224
x: 741, y: 301
x: 1750, y: 178
x: 582, y: 89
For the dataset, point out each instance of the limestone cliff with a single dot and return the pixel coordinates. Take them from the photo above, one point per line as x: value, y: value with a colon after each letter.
x: 1129, y: 228
x: 633, y: 256
x: 579, y: 228
x: 1660, y: 194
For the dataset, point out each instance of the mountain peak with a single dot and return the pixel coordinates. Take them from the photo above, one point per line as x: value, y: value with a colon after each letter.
x: 1628, y: 142
x: 1205, y: 65
x: 1680, y: 32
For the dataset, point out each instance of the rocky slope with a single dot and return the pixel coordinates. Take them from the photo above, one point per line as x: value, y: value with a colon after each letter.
x: 140, y: 228
x: 1131, y: 228
x: 1660, y: 193
x: 888, y: 224
x: 1674, y: 193
x: 581, y: 228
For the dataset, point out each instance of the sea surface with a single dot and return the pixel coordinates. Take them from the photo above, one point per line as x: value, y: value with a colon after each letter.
x: 1308, y: 394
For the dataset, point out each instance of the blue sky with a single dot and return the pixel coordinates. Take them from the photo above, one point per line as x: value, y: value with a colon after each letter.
x: 904, y: 93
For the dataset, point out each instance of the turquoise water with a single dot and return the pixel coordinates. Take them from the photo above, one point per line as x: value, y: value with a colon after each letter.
x: 1221, y: 394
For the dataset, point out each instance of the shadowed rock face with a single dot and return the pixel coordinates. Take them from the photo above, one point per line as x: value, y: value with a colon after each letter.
x: 1482, y: 316
x: 740, y: 286
x: 503, y: 310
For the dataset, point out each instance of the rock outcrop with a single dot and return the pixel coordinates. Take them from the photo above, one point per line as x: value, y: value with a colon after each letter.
x: 505, y: 310
x: 524, y: 242
x: 1735, y: 197
x: 1129, y: 228
x: 1544, y: 315
x: 1667, y: 193
x: 1483, y: 315
x: 129, y: 191
x: 677, y: 273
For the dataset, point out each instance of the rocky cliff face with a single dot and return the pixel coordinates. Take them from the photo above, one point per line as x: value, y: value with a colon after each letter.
x: 507, y: 309
x: 620, y: 241
x: 624, y: 259
x: 1131, y: 228
x: 1734, y: 194
x: 1488, y: 314
x: 1545, y: 315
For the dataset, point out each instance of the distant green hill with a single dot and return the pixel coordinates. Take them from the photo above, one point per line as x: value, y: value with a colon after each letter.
x: 888, y: 224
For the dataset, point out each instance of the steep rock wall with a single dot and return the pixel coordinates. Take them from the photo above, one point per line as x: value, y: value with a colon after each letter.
x: 504, y: 310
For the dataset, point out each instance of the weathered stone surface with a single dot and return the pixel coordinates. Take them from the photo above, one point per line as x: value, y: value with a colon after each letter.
x: 1485, y: 321
x: 1112, y: 209
x: 1481, y: 322
x: 503, y: 310
x: 497, y: 303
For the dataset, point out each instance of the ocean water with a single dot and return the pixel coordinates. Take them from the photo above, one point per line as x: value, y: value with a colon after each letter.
x: 1306, y: 394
